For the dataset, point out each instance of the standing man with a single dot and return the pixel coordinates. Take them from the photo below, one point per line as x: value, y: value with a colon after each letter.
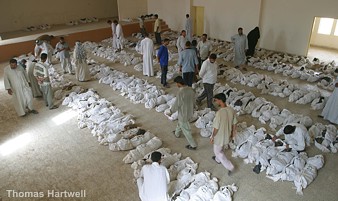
x: 330, y: 111
x: 204, y: 48
x: 253, y: 37
x: 63, y: 50
x: 188, y: 63
x: 32, y: 80
x: 80, y: 61
x: 241, y: 45
x: 142, y: 27
x: 43, y: 47
x: 208, y: 73
x: 154, y: 180
x: 113, y: 30
x: 163, y: 57
x: 188, y: 27
x: 147, y: 50
x: 180, y: 43
x: 16, y: 84
x: 157, y: 29
x: 224, y: 129
x: 119, y: 36
x: 184, y: 104
x: 41, y: 74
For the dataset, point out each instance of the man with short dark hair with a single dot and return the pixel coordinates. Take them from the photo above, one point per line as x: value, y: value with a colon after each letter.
x: 184, y: 104
x: 240, y: 46
x: 204, y: 48
x: 296, y: 136
x: 188, y: 27
x: 188, y: 63
x: 224, y: 130
x: 163, y: 57
x: 208, y: 73
x: 16, y: 84
x: 41, y: 74
x: 157, y: 30
x: 180, y: 43
x: 63, y: 49
x: 154, y: 180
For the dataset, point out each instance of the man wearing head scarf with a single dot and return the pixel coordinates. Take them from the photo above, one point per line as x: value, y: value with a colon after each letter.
x: 43, y: 47
x: 154, y: 180
x: 241, y: 45
x: 330, y: 111
x: 296, y: 136
x: 119, y: 36
x: 16, y: 84
x: 79, y: 58
x: 113, y: 29
x: 253, y: 37
x: 188, y: 27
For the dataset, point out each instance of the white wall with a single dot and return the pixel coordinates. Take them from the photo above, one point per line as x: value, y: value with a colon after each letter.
x: 171, y: 11
x: 132, y: 8
x: 223, y: 18
x: 18, y: 14
x: 322, y: 40
x: 286, y: 25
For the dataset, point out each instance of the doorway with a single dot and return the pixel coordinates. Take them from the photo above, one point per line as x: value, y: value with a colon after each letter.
x: 198, y: 14
x: 323, y: 42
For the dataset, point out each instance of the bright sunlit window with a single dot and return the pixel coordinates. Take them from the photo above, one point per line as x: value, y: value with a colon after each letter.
x: 63, y: 117
x: 14, y: 144
x: 325, y: 26
x: 336, y: 31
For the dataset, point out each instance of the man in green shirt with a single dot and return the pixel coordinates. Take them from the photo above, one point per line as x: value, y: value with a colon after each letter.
x: 184, y: 104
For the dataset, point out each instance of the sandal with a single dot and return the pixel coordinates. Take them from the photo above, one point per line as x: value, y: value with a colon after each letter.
x: 190, y: 147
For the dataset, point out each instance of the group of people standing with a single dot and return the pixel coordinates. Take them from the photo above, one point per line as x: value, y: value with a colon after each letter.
x: 26, y: 79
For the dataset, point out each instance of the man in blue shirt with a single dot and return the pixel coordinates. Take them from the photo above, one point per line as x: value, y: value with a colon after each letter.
x: 188, y: 63
x: 162, y: 57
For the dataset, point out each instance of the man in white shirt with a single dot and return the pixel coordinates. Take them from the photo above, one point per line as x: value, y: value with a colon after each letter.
x: 63, y: 49
x: 157, y: 30
x: 180, y: 43
x: 113, y: 30
x: 154, y: 180
x: 208, y: 73
x: 188, y: 27
x: 204, y: 48
x: 296, y: 136
x: 241, y: 45
x: 119, y: 36
x: 147, y: 50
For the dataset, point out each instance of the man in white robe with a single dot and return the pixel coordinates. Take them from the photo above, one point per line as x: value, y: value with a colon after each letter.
x: 180, y: 43
x: 79, y: 58
x: 188, y: 27
x: 32, y: 80
x: 147, y: 50
x: 154, y: 180
x: 296, y: 136
x: 119, y: 36
x: 113, y: 30
x: 330, y: 111
x: 43, y: 47
x: 241, y: 45
x: 63, y: 50
x: 16, y: 84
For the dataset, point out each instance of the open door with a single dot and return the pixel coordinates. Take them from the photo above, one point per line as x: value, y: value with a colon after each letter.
x: 198, y: 12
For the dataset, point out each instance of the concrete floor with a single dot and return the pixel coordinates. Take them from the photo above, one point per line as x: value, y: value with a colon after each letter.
x: 63, y: 157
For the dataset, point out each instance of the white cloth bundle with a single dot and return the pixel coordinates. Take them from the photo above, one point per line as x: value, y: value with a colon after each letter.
x: 225, y: 193
x: 142, y: 150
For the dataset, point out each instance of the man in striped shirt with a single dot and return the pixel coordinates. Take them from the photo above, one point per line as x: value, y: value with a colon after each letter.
x: 41, y: 74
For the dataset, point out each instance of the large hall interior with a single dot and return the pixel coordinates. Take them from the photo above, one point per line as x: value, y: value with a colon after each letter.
x: 104, y: 129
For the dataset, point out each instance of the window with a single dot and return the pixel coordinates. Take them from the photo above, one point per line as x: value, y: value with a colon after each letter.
x: 336, y: 31
x: 325, y: 26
